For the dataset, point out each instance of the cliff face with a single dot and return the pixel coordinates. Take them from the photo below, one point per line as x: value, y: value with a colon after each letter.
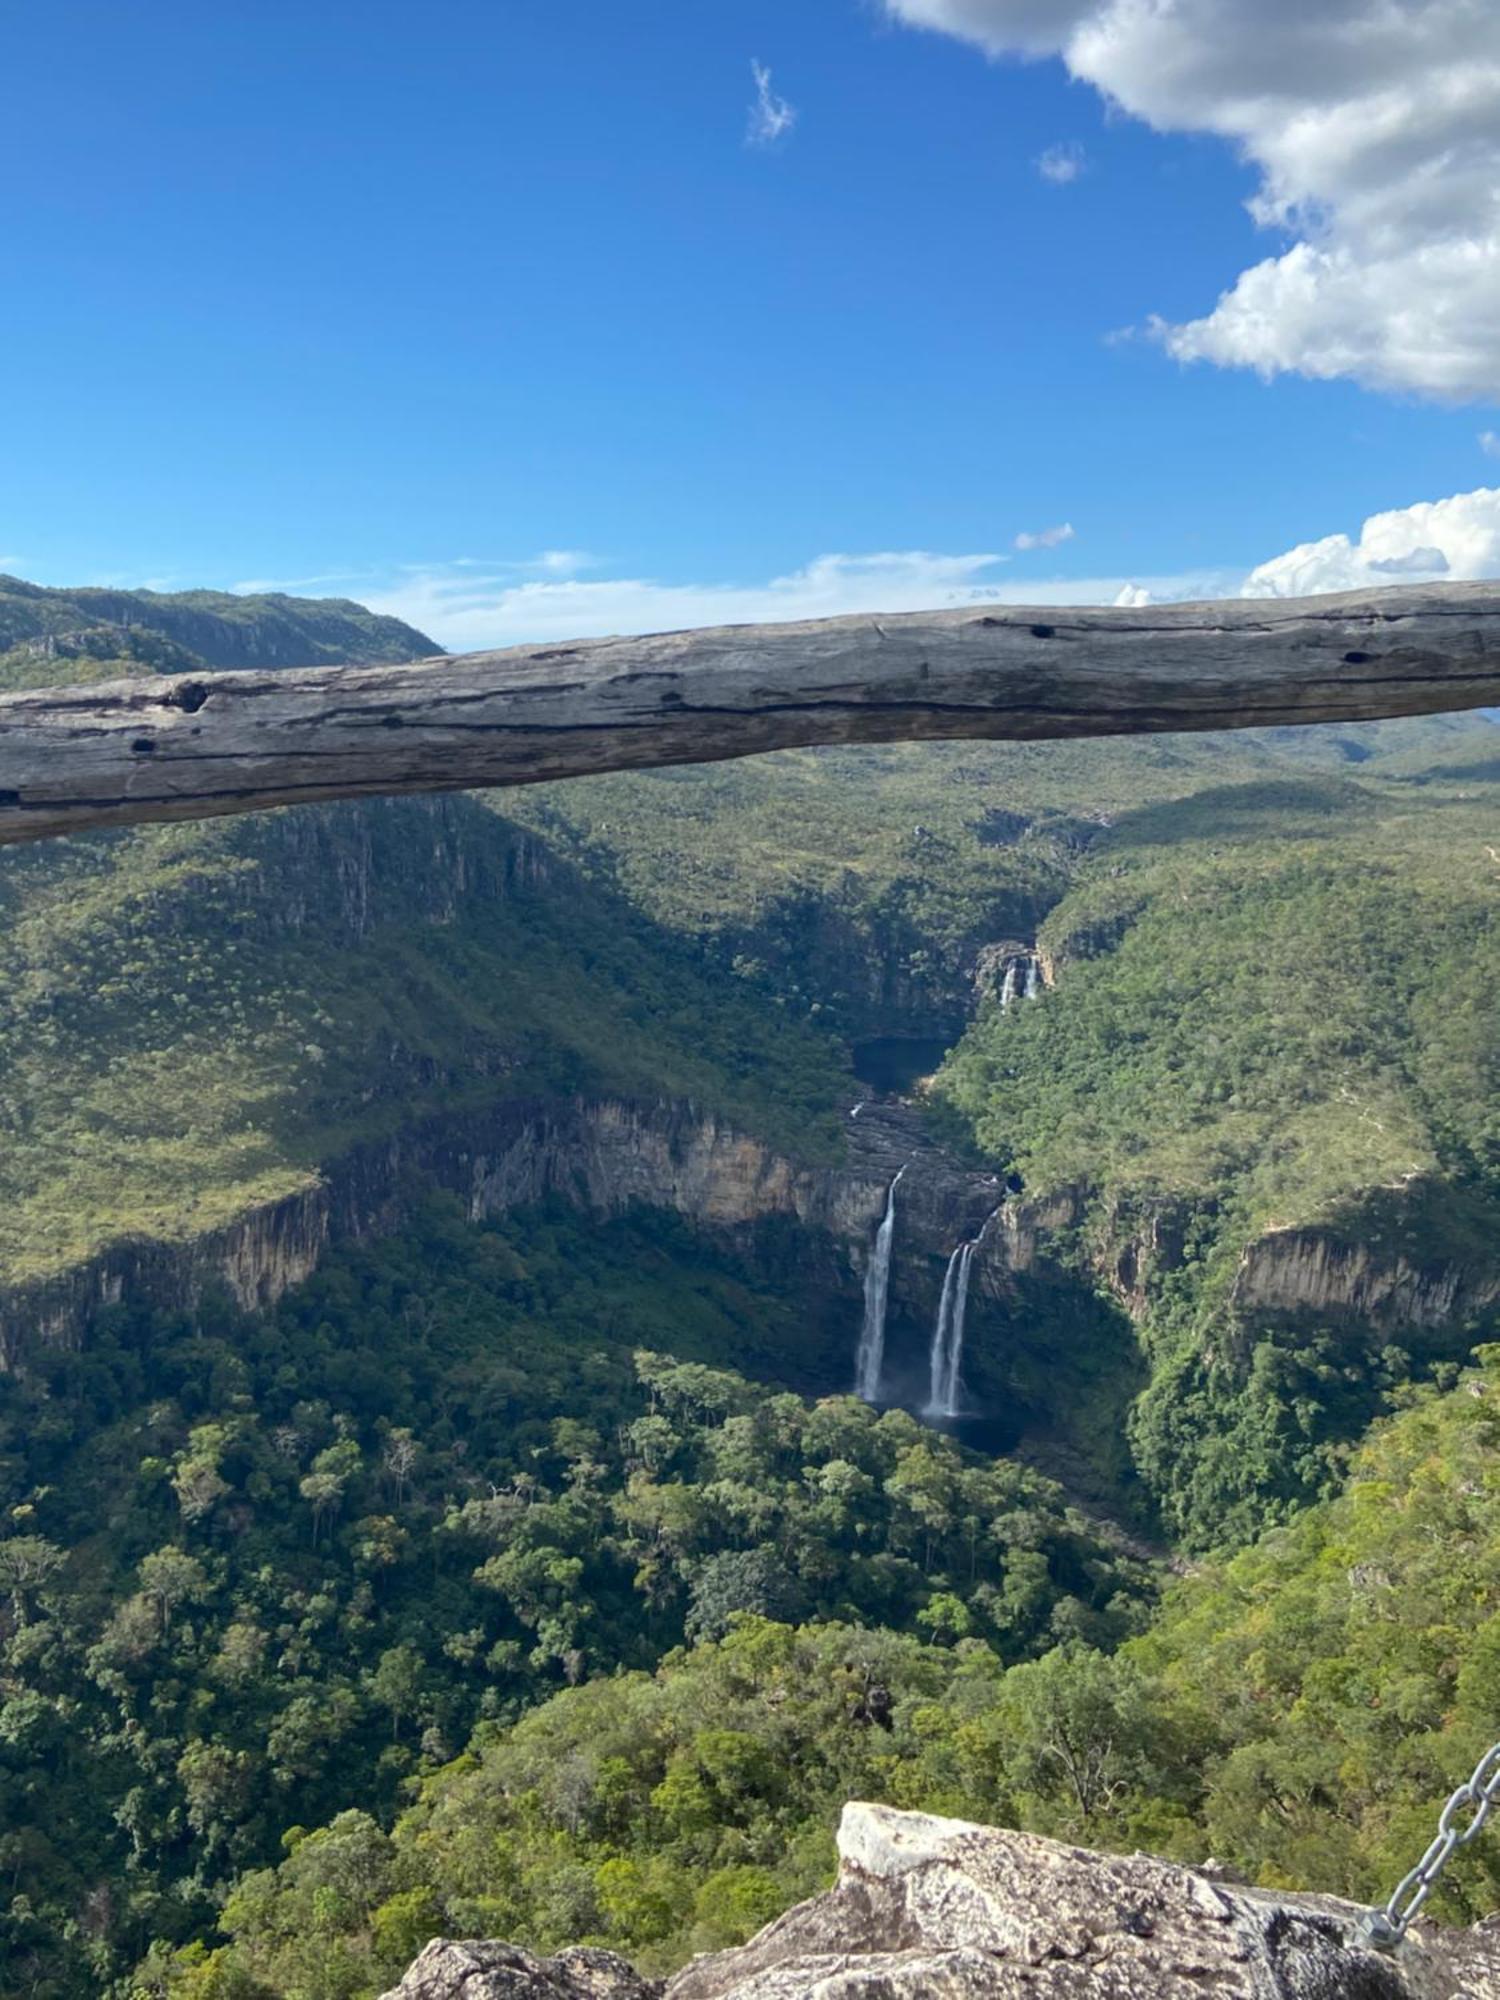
x: 605, y: 1155
x: 1308, y: 1269
x: 926, y: 1907
x: 1293, y: 1270
x: 214, y: 628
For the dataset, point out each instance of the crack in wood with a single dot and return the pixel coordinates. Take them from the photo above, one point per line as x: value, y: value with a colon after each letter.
x: 75, y: 758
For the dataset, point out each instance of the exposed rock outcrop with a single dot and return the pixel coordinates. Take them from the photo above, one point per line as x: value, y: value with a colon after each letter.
x: 448, y: 1971
x: 606, y: 1155
x: 1291, y: 1270
x: 926, y: 1908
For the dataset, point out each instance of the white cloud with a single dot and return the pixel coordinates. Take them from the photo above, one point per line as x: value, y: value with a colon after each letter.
x: 1045, y: 538
x: 1375, y: 126
x: 1132, y: 598
x: 1456, y: 540
x: 1489, y: 443
x: 466, y: 608
x: 771, y: 117
x: 563, y: 562
x: 1062, y: 164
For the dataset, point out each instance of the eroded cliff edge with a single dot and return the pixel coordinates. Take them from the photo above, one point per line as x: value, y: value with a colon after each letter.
x: 603, y: 1154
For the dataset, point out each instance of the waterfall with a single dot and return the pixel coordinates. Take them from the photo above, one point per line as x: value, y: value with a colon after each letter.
x: 1023, y: 980
x: 948, y: 1334
x: 869, y: 1363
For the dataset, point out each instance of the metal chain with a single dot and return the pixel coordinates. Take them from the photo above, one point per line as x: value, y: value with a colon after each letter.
x: 1383, y: 1929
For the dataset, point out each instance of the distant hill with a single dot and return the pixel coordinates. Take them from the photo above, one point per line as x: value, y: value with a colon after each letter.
x: 54, y: 637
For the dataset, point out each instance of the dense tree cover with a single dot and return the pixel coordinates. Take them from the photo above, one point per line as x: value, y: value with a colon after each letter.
x: 258, y: 1570
x: 1300, y: 1712
x: 1274, y: 1008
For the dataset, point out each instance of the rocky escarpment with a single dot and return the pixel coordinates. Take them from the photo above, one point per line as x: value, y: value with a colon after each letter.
x: 1358, y: 1270
x: 604, y: 1155
x: 1291, y: 1270
x: 214, y: 628
x: 928, y: 1907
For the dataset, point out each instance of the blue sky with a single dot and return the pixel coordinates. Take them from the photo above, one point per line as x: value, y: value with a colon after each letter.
x: 499, y: 314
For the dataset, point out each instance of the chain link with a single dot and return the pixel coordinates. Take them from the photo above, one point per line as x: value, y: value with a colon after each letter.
x: 1383, y: 1929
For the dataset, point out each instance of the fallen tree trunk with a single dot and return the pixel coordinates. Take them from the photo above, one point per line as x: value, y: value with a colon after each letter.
x: 192, y: 747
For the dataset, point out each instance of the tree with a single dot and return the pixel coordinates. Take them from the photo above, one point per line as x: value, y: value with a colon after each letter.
x: 170, y: 1578
x: 1078, y: 1725
x: 400, y: 1461
x: 396, y: 1684
x: 26, y: 1562
x: 742, y: 1580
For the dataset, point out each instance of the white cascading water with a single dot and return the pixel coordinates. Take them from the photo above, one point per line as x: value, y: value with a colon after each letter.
x: 948, y: 1335
x: 1033, y: 978
x: 869, y: 1363
x: 1011, y: 984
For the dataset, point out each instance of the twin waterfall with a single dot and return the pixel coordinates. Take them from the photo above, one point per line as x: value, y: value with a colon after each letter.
x: 1022, y: 981
x: 945, y: 1395
x: 948, y: 1335
x: 869, y: 1364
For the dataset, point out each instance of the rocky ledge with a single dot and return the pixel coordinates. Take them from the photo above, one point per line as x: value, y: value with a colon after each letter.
x: 936, y: 1909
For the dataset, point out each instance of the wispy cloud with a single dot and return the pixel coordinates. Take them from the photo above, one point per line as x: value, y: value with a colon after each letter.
x: 465, y: 608
x: 259, y: 586
x: 1489, y: 443
x: 771, y: 117
x: 1045, y: 538
x: 547, y: 563
x: 1063, y: 163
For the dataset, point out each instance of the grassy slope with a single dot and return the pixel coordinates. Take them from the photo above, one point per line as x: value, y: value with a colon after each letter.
x: 192, y: 1019
x: 915, y: 854
x: 1280, y: 988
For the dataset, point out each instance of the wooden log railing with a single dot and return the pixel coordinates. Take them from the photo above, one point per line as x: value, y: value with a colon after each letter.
x: 197, y: 746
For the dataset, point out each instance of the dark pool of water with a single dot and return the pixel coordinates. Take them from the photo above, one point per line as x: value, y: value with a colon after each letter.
x: 895, y: 1064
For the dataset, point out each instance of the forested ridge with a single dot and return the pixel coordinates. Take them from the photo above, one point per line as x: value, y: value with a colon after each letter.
x: 536, y: 1576
x: 259, y: 1568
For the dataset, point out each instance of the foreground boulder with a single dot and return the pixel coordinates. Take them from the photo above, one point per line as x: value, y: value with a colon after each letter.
x: 448, y: 1971
x: 936, y: 1909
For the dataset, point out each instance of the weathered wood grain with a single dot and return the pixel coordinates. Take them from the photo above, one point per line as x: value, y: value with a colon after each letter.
x: 194, y: 747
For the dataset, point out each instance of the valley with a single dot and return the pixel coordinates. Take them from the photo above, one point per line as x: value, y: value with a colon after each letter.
x: 440, y: 1241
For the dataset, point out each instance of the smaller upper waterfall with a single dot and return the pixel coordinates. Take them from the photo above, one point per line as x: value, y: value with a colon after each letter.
x: 944, y: 1396
x: 1023, y: 979
x: 869, y: 1364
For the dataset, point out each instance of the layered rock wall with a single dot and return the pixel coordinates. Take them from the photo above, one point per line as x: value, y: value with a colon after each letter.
x: 606, y: 1155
